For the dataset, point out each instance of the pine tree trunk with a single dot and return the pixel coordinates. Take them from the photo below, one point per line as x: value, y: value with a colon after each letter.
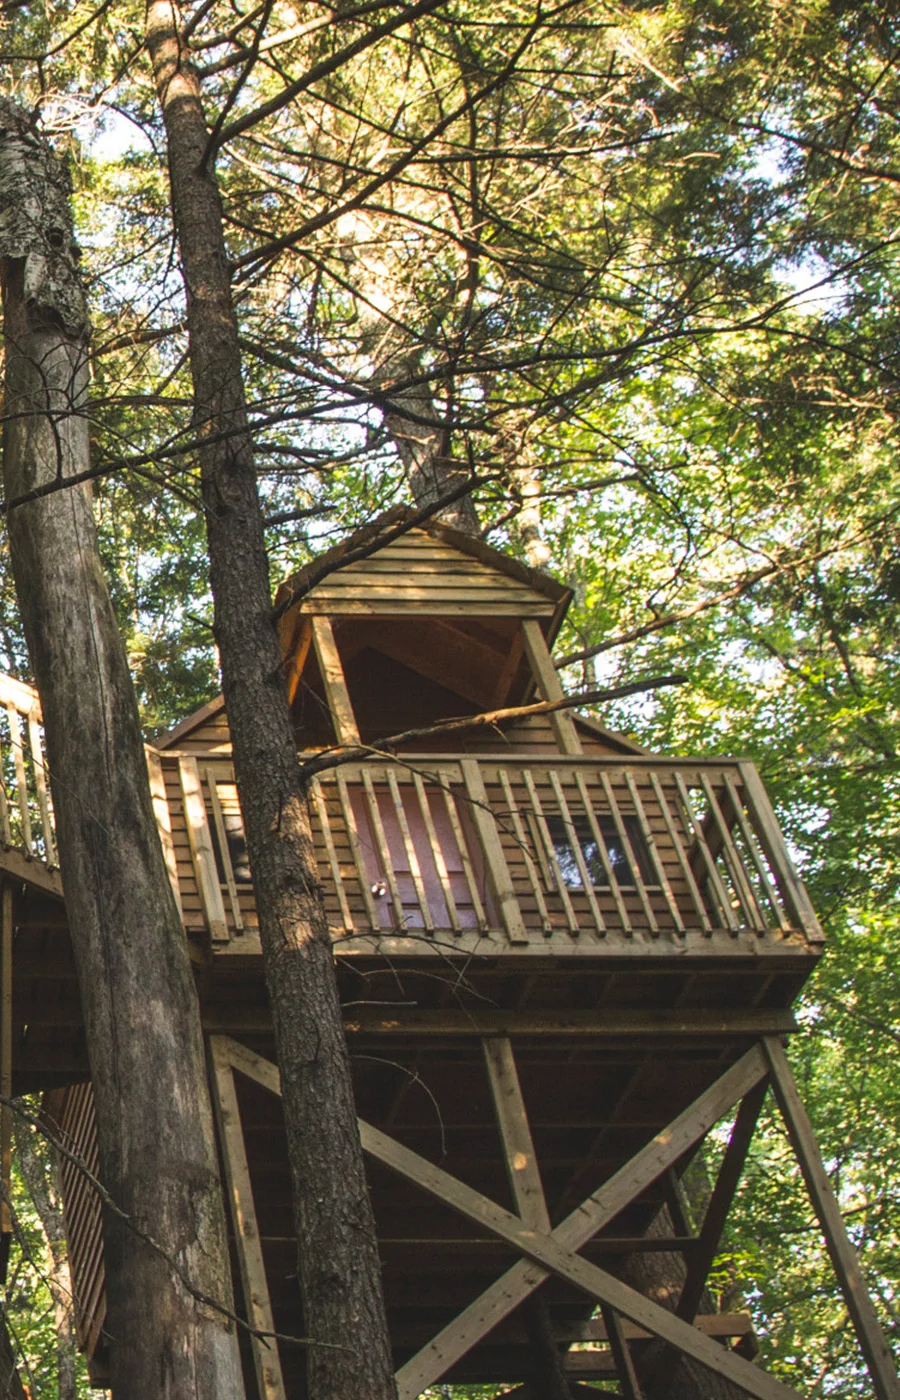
x: 339, y: 1266
x: 668, y: 1375
x: 157, y: 1149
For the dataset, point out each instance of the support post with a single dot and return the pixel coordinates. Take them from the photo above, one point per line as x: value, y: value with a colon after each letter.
x: 549, y: 687
x: 336, y: 692
x: 246, y: 1232
x: 621, y: 1353
x: 528, y: 1195
x: 874, y: 1347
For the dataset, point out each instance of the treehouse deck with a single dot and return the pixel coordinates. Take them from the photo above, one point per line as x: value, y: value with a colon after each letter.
x: 561, y: 960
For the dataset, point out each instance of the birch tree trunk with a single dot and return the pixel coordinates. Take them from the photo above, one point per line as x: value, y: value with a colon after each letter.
x: 157, y: 1150
x: 338, y: 1259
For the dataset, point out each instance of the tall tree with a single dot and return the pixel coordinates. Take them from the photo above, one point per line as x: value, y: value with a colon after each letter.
x: 166, y: 1262
x: 350, y: 1355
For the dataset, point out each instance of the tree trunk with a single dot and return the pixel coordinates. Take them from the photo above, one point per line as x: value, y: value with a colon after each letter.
x: 421, y: 444
x: 666, y: 1374
x: 157, y: 1150
x: 339, y: 1266
x: 33, y: 1166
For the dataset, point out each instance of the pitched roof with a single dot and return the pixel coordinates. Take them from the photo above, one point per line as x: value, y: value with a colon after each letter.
x: 401, y: 562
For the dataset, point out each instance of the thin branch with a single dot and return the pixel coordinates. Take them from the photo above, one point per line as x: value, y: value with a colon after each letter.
x: 333, y: 758
x: 735, y: 590
x: 317, y: 72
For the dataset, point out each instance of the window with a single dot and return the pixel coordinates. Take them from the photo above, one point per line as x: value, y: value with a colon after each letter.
x: 616, y: 852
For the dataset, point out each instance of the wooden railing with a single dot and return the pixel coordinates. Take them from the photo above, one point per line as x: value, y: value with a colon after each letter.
x: 516, y: 849
x: 26, y: 814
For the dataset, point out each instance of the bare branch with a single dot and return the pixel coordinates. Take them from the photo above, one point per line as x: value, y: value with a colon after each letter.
x: 333, y: 758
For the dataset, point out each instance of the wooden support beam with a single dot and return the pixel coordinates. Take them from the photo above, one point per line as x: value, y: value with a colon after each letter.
x: 336, y: 692
x: 663, y: 1368
x: 554, y: 1257
x: 528, y: 1195
x: 258, y: 1305
x: 621, y: 1354
x: 515, y: 1134
x: 874, y: 1347
x: 549, y: 686
x: 555, y: 1252
x: 701, y: 1260
x: 296, y: 653
x: 498, y: 1301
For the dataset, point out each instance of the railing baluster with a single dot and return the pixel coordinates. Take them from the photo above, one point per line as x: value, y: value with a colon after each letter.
x: 561, y: 887
x: 411, y: 853
x: 15, y: 734
x: 160, y: 800
x: 201, y: 848
x: 437, y: 853
x: 714, y: 877
x: 683, y: 861
x: 40, y: 779
x: 4, y: 805
x: 756, y: 855
x: 732, y: 858
x: 577, y: 852
x: 764, y: 819
x: 459, y: 837
x: 534, y: 878
x: 382, y: 848
x: 485, y: 825
x: 321, y: 807
x: 600, y: 840
x: 356, y: 850
x: 630, y: 855
x: 647, y: 833
x: 224, y: 852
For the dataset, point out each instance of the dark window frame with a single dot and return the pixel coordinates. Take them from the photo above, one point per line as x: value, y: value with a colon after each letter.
x: 621, y: 861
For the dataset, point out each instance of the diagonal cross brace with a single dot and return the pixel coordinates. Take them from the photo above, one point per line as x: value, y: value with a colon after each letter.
x: 554, y: 1257
x: 498, y: 1301
x: 554, y: 1253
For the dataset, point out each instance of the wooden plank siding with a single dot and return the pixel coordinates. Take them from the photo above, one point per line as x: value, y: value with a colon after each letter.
x: 70, y: 1113
x: 533, y: 735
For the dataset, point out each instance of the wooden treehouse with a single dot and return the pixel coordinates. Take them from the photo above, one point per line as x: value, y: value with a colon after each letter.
x: 563, y: 961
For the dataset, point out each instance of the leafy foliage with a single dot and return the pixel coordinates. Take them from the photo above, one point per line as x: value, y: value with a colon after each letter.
x: 638, y: 264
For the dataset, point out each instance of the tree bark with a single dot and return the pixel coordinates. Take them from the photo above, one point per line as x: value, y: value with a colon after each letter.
x: 157, y: 1149
x: 339, y: 1266
x: 33, y: 1166
x: 666, y: 1374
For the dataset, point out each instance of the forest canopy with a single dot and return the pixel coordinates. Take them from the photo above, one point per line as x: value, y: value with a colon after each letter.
x: 632, y: 270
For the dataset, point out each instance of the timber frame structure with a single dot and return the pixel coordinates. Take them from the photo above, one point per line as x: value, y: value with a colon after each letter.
x: 563, y: 962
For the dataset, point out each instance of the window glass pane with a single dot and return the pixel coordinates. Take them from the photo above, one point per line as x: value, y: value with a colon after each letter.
x: 590, y: 852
